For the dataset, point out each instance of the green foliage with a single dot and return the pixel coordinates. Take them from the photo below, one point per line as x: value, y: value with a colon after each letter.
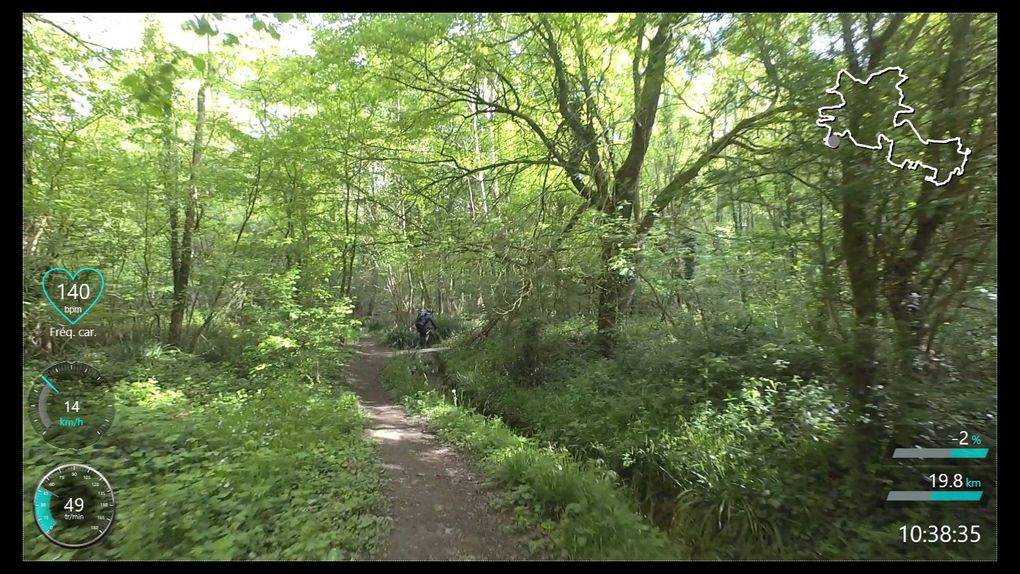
x: 406, y: 337
x: 201, y: 26
x: 438, y: 160
x: 401, y: 337
x: 579, y: 507
x: 729, y: 444
x: 211, y: 463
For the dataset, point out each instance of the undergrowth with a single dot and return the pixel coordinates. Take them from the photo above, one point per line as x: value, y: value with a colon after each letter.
x: 733, y: 443
x: 577, y: 505
x: 256, y: 456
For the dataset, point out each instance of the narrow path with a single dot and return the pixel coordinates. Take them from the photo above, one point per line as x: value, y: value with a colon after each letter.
x: 440, y: 509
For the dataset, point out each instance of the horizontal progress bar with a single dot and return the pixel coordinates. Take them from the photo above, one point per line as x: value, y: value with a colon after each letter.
x: 934, y: 495
x: 940, y: 453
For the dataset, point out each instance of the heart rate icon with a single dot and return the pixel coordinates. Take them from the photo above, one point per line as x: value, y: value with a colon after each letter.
x: 80, y: 292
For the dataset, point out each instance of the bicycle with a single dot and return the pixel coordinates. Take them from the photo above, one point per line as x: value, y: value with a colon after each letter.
x: 423, y: 339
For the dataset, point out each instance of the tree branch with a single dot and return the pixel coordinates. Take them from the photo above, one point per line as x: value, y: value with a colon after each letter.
x: 680, y: 181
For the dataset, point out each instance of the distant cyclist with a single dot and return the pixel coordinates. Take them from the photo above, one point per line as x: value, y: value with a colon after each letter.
x: 424, y: 324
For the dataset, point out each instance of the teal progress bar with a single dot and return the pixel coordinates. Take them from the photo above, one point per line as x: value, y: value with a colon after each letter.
x: 934, y: 495
x: 940, y: 453
x: 50, y: 384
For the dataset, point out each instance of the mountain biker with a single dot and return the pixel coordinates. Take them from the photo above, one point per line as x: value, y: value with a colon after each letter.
x: 422, y: 324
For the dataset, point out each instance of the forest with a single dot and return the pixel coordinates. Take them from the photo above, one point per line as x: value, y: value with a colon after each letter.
x: 670, y: 321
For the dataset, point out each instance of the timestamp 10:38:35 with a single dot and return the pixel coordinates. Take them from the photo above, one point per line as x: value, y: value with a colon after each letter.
x: 944, y: 533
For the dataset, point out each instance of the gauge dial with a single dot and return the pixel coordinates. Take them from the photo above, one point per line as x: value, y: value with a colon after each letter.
x: 74, y: 506
x: 71, y: 405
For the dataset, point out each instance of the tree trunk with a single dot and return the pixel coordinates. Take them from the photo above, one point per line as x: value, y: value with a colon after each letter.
x: 345, y: 272
x: 354, y: 245
x: 905, y: 300
x: 478, y: 159
x: 860, y: 363
x: 610, y: 292
x: 182, y: 276
x: 492, y: 149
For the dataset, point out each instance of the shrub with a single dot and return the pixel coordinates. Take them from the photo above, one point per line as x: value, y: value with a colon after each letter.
x: 578, y: 506
x: 234, y: 460
x: 406, y: 336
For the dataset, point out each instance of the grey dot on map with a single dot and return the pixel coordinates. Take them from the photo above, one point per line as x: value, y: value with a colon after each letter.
x: 832, y: 141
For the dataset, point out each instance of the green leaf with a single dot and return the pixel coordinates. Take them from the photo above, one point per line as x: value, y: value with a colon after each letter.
x: 283, y: 17
x: 230, y: 40
x: 205, y: 28
x: 200, y: 26
x: 132, y: 80
x: 153, y: 110
x: 199, y: 62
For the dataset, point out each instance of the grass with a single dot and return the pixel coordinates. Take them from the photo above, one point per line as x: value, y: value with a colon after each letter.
x: 734, y: 447
x: 580, y: 507
x: 211, y: 465
x: 404, y: 335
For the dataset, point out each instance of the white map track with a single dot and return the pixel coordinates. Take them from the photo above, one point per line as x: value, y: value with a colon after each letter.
x: 824, y: 118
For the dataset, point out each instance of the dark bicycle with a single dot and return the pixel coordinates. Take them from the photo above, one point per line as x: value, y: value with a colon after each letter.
x: 424, y: 338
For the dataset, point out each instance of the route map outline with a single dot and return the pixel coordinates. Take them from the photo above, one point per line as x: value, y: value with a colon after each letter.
x: 825, y: 118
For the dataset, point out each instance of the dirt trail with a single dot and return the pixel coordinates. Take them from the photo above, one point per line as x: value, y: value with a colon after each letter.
x: 440, y: 509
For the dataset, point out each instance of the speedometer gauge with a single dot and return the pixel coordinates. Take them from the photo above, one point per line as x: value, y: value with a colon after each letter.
x: 71, y: 405
x: 74, y: 506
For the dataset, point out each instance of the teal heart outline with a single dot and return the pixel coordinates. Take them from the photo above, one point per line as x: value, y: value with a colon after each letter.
x: 102, y: 287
